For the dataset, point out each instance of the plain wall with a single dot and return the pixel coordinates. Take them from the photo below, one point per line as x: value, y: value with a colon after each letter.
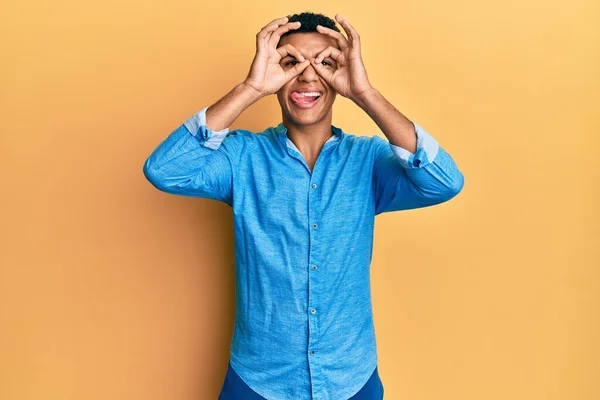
x: 111, y: 289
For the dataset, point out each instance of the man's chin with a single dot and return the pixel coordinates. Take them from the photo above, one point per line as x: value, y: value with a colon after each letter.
x: 308, y: 117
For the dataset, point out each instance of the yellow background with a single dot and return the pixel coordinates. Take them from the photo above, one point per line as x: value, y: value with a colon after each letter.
x: 110, y: 289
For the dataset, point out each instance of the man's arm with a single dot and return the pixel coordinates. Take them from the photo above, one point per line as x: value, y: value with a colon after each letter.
x: 410, y: 170
x: 194, y: 160
x: 191, y: 160
x: 199, y: 157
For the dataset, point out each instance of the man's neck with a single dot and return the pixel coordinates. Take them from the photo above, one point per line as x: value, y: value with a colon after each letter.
x: 309, y: 139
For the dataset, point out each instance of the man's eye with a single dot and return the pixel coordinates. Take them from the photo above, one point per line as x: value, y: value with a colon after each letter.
x: 295, y: 61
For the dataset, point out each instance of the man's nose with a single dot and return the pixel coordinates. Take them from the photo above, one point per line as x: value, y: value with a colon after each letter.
x: 309, y: 73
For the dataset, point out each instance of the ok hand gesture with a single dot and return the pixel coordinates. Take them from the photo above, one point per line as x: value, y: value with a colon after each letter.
x: 350, y: 78
x: 266, y: 75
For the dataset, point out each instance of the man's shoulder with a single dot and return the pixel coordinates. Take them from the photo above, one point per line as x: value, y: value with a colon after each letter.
x: 247, y: 133
x: 360, y: 139
x: 240, y: 138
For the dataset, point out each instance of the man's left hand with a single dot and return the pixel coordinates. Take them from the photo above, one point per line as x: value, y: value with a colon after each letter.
x: 350, y: 78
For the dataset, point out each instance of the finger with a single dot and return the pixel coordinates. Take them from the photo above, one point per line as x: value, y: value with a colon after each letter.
x: 353, y: 36
x: 342, y: 41
x: 270, y: 27
x: 324, y: 72
x: 288, y: 49
x: 296, y: 70
x: 331, y: 52
x: 276, y: 34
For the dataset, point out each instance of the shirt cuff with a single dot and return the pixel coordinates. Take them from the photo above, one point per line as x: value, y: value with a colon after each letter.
x: 196, y: 125
x: 427, y: 149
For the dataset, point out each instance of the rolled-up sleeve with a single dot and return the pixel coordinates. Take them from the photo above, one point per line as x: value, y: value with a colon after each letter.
x: 404, y: 180
x: 196, y: 125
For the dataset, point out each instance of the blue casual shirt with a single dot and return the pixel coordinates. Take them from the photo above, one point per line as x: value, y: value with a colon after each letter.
x: 303, y: 242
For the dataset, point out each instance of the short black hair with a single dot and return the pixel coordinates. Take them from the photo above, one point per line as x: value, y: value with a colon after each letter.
x: 308, y: 23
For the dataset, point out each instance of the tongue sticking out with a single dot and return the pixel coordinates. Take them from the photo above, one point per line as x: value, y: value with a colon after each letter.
x: 298, y: 98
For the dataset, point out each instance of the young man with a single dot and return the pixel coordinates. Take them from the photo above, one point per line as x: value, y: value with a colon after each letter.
x: 304, y: 196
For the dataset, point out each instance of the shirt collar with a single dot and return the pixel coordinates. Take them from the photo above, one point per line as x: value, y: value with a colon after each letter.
x: 281, y: 132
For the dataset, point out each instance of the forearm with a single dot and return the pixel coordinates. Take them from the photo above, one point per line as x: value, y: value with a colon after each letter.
x: 221, y: 114
x: 399, y: 130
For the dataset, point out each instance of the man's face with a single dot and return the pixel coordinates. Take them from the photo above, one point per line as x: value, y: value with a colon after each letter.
x: 303, y: 110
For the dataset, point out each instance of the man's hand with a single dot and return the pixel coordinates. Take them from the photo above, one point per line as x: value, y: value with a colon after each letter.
x: 266, y: 76
x: 350, y: 78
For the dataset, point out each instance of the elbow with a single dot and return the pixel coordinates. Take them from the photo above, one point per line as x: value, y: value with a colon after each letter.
x: 153, y: 174
x: 456, y: 186
x: 458, y: 183
x: 164, y: 178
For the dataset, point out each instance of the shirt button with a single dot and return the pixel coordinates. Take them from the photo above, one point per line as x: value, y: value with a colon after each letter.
x: 314, y: 185
x: 314, y: 267
x: 315, y: 226
x: 312, y: 352
x: 313, y: 311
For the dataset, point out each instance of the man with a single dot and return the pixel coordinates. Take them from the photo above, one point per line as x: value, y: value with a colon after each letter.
x: 304, y: 195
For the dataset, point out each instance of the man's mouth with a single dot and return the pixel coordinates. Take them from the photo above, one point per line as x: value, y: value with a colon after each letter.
x: 305, y: 99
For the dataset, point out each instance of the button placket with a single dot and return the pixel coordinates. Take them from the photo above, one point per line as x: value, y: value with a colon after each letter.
x: 314, y: 290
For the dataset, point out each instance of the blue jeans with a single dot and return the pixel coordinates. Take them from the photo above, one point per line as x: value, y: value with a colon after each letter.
x: 234, y: 388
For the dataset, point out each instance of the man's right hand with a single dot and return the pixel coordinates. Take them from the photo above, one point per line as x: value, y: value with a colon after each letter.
x: 266, y: 75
